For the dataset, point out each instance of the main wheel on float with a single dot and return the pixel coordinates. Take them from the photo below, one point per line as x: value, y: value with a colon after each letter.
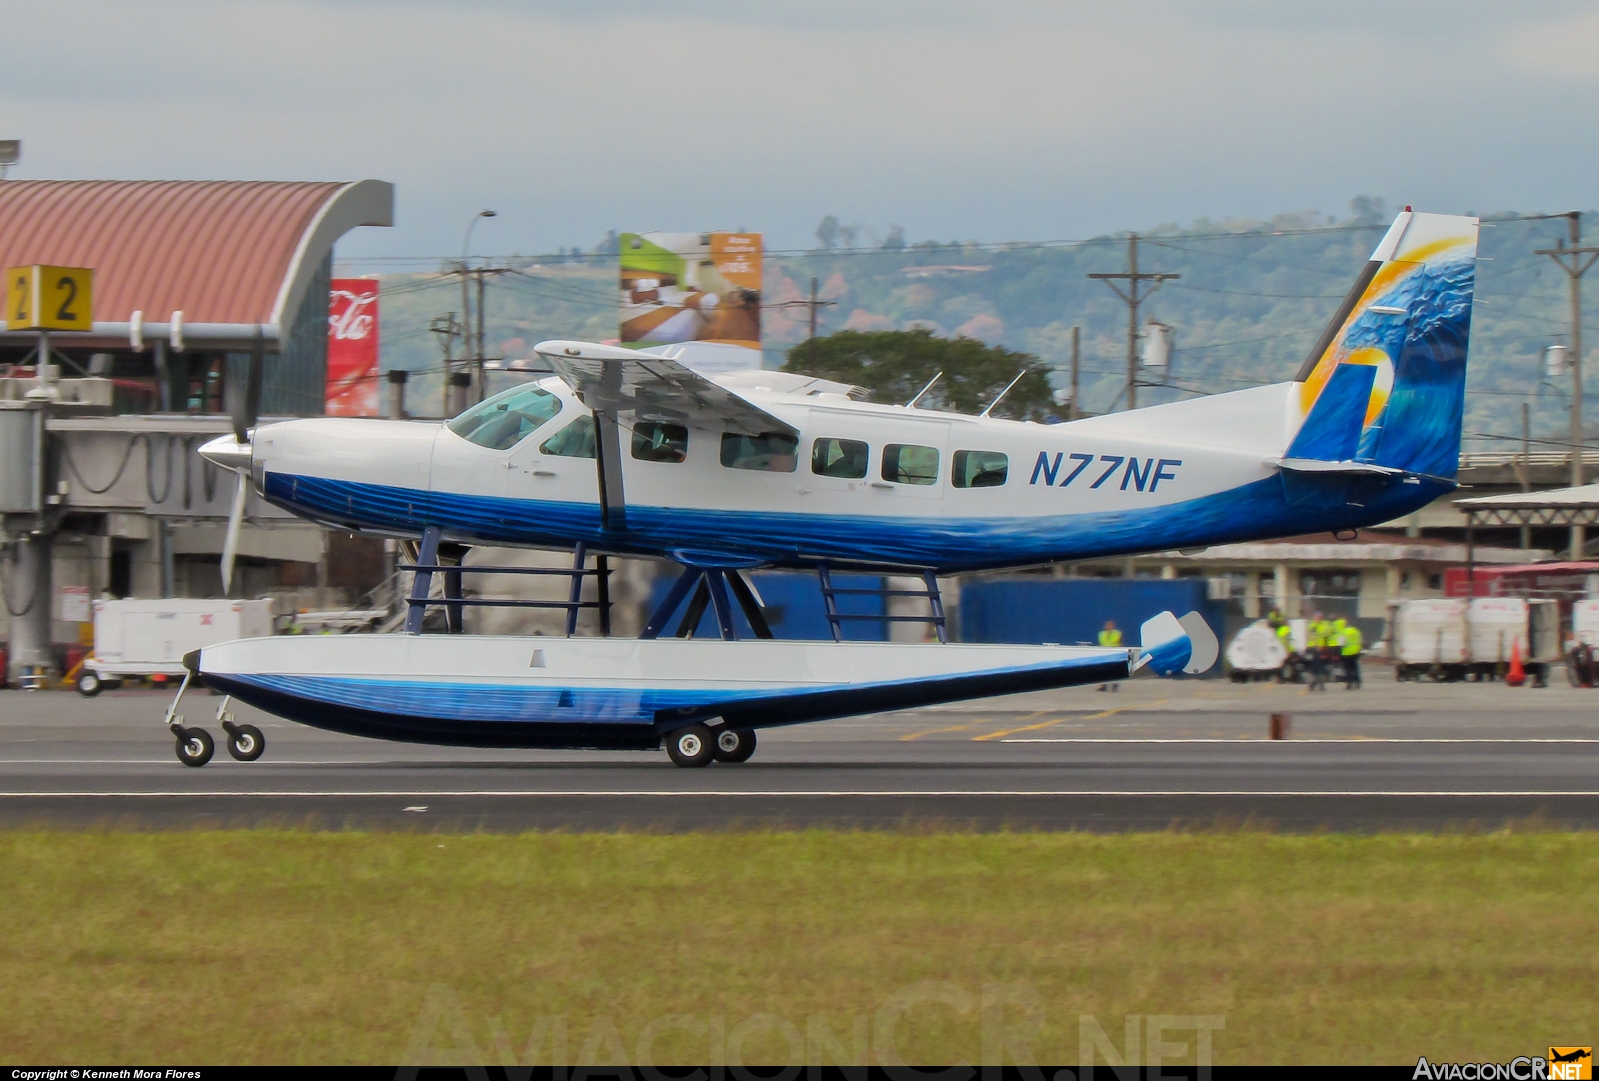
x: 734, y: 744
x: 691, y: 746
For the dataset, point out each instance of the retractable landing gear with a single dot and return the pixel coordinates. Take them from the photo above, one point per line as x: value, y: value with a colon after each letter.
x: 699, y: 745
x: 195, y: 745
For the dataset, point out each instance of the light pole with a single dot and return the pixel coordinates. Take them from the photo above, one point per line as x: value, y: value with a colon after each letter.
x: 466, y: 301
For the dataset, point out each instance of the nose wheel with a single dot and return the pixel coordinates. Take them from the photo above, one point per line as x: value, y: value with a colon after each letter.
x: 245, y: 742
x: 195, y: 745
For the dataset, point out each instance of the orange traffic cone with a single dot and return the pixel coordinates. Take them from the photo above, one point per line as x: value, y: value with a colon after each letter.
x: 1516, y: 675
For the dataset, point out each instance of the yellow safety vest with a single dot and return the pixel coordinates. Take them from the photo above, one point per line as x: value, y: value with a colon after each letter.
x: 1352, y: 641
x: 1110, y: 638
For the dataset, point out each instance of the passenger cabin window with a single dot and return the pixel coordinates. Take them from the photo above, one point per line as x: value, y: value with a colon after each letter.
x: 503, y: 421
x: 576, y: 440
x: 979, y: 469
x: 907, y: 464
x: 842, y: 458
x: 772, y: 452
x: 654, y: 442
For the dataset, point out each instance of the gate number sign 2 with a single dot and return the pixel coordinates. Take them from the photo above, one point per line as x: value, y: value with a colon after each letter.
x: 49, y: 298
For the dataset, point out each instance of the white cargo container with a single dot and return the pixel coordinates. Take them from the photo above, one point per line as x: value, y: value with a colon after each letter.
x: 149, y: 637
x: 1449, y: 638
x: 1428, y: 632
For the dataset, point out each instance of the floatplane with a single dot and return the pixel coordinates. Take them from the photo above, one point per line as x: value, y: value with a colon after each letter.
x: 637, y: 453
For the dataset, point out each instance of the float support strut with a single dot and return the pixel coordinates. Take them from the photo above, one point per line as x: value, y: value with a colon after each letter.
x: 670, y: 603
x: 422, y: 584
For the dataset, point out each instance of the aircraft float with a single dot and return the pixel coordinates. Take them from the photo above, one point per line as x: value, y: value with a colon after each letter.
x: 635, y: 453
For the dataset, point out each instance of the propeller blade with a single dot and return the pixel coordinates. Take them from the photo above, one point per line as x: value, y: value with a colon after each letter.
x: 244, y: 399
x: 230, y: 543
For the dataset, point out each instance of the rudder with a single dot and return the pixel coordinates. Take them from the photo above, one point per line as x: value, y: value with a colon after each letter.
x: 1409, y: 318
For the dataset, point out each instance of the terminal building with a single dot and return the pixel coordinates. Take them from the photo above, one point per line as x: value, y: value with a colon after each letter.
x: 100, y: 491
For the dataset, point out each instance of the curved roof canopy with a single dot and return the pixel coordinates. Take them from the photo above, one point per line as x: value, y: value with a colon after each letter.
x: 230, y: 255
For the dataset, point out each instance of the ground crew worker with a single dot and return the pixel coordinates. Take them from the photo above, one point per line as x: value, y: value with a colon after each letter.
x: 1317, y: 631
x: 1110, y: 637
x: 1289, y: 672
x: 1350, y: 649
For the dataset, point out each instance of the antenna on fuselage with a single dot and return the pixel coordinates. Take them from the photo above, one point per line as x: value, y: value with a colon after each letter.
x: 912, y: 403
x: 1004, y: 392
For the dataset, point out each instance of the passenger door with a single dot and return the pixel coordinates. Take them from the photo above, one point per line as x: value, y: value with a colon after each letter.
x: 910, y: 468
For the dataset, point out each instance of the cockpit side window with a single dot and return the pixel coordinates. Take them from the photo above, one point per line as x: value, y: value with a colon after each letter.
x: 503, y: 421
x: 653, y: 442
x: 576, y: 440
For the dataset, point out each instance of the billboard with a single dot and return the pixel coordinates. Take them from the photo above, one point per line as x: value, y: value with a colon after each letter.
x: 353, y: 348
x: 691, y: 287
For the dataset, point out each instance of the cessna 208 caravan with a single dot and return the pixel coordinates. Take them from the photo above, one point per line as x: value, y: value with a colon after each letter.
x: 635, y: 453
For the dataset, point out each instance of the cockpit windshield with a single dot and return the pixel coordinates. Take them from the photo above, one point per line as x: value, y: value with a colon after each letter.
x: 504, y: 420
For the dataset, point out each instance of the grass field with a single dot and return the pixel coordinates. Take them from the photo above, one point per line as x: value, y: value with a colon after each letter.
x: 288, y: 947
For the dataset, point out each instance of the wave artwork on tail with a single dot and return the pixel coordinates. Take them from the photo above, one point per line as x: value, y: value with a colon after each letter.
x: 1407, y: 319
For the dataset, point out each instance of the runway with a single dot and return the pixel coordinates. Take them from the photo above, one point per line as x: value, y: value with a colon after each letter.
x: 1191, y: 754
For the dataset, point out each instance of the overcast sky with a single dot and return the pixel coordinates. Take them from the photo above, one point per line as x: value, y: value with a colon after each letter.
x: 994, y: 120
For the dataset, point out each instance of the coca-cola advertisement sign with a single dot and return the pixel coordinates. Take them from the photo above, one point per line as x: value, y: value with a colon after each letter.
x: 353, y: 348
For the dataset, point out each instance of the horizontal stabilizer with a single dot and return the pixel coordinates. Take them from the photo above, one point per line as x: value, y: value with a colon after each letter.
x: 1332, y: 430
x: 1316, y: 465
x: 1164, y: 646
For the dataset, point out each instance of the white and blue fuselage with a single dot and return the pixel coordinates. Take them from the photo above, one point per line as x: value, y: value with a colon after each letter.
x: 1172, y: 476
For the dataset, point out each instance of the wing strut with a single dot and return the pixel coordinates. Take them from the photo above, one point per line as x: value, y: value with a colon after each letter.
x: 608, y: 449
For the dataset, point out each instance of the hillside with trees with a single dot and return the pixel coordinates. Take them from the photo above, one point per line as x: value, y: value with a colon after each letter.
x: 1251, y: 300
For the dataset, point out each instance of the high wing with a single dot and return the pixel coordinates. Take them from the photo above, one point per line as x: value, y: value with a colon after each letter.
x: 631, y: 387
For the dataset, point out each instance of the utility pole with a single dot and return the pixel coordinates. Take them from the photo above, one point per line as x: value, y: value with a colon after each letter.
x: 814, y: 305
x: 1526, y: 466
x: 1133, y: 298
x: 447, y: 328
x: 466, y: 310
x: 482, y: 390
x: 473, y: 350
x: 1575, y: 260
x: 466, y: 317
x: 1076, y: 410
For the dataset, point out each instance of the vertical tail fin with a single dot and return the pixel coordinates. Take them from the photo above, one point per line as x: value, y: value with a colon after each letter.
x: 1408, y: 317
